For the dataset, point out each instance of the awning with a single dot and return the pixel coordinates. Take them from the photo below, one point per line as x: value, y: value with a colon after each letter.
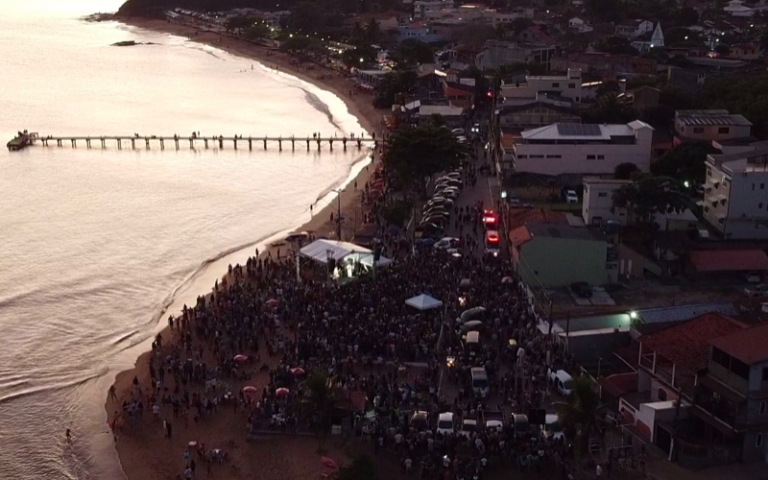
x: 423, y: 302
x: 321, y: 250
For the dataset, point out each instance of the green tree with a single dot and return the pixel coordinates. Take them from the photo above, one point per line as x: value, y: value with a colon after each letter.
x: 394, y: 84
x: 745, y: 94
x: 359, y: 57
x: 257, y: 31
x: 357, y: 36
x: 604, y: 10
x: 396, y: 212
x: 519, y: 24
x: 361, y: 468
x: 414, y: 153
x: 295, y: 44
x: 583, y: 414
x: 238, y: 24
x: 684, y: 162
x: 624, y: 171
x: 682, y: 36
x: 413, y: 51
x: 373, y: 31
x: 319, y: 401
x: 616, y: 46
x: 608, y: 109
x: 648, y: 195
x: 686, y: 16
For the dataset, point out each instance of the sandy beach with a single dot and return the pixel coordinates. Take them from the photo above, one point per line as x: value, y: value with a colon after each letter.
x: 144, y: 452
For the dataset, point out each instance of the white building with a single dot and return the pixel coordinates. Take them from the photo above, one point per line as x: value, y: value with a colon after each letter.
x: 598, y: 200
x: 566, y: 86
x: 736, y: 194
x: 583, y: 149
x: 425, y: 9
x: 737, y: 8
x: 577, y: 25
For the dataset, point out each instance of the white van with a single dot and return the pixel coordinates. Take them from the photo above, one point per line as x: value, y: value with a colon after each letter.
x: 480, y: 385
x: 562, y: 381
x: 445, y: 423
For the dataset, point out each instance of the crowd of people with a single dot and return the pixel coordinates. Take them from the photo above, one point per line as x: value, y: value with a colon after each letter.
x: 250, y: 344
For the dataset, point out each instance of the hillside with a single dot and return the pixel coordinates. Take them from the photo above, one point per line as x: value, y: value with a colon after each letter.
x: 155, y: 8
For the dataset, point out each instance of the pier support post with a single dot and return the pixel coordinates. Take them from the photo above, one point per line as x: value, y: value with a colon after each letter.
x: 344, y: 142
x: 74, y: 143
x: 206, y: 143
x: 265, y: 143
x: 191, y: 144
x: 330, y: 142
x: 119, y: 143
x: 280, y: 145
x: 318, y: 143
x: 147, y: 142
x: 176, y: 141
x: 359, y: 144
x: 162, y: 144
x: 250, y: 143
x: 88, y: 142
x: 293, y: 144
x: 235, y: 142
x: 58, y: 142
x: 221, y: 142
x: 307, y: 143
x: 133, y: 144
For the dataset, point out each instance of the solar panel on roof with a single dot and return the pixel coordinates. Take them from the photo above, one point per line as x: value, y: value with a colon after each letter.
x: 578, y: 130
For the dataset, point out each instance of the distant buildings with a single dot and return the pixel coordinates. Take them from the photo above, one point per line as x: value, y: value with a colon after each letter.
x: 710, y: 125
x: 568, y: 87
x: 502, y: 52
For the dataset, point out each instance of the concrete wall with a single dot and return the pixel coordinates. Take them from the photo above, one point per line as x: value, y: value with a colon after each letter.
x: 598, y: 200
x: 557, y: 262
x: 590, y: 345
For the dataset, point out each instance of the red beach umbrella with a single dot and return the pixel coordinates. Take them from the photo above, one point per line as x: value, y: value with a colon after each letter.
x: 250, y: 389
x: 297, y: 371
x: 282, y: 392
x: 240, y: 358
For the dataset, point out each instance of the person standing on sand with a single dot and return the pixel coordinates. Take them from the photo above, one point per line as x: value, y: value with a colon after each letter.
x: 113, y: 393
x: 69, y: 436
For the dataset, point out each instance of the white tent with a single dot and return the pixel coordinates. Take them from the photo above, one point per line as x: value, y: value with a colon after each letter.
x: 321, y: 250
x: 423, y: 302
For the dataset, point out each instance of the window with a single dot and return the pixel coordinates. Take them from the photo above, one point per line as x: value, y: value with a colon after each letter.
x: 762, y: 407
x: 724, y: 130
x: 601, y: 157
x: 765, y: 374
x: 662, y: 395
x: 535, y: 156
x: 571, y: 85
x: 555, y: 85
x: 722, y: 202
x: 698, y: 129
x: 759, y: 440
x: 709, y: 173
x: 590, y: 157
x: 760, y: 205
x: 602, y: 195
x: 554, y: 156
x: 522, y: 157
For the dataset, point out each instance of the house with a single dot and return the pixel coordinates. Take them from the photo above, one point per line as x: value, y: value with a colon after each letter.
x: 633, y: 28
x: 730, y: 402
x: 744, y: 51
x: 736, y: 8
x: 710, y: 125
x: 583, y: 149
x: 735, y: 199
x: 502, y: 52
x: 568, y: 86
x: 597, y: 201
x: 606, y: 64
x: 720, y: 263
x: 555, y: 255
x: 536, y: 114
x: 418, y: 31
x: 647, y: 41
x: 452, y: 115
x: 577, y: 25
x: 460, y: 93
x: 507, y: 161
x: 668, y: 364
x: 641, y: 98
x: 425, y: 9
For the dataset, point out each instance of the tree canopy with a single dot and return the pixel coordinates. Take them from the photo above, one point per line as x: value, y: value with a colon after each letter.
x: 615, y: 45
x: 684, y: 162
x: 583, y: 414
x: 393, y: 84
x: 647, y: 196
x: 361, y: 468
x: 624, y: 171
x: 745, y: 94
x: 412, y: 51
x: 413, y: 153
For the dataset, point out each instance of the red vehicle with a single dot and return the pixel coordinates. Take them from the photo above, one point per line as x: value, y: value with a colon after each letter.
x: 492, y: 245
x: 490, y: 220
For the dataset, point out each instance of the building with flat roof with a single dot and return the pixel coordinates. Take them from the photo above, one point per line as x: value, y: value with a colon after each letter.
x: 710, y: 125
x: 583, y: 149
x: 735, y: 199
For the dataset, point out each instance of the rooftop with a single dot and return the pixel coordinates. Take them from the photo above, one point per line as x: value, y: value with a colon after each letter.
x: 729, y: 260
x: 580, y: 131
x: 741, y: 162
x: 710, y: 118
x: 681, y: 313
x: 749, y: 345
x: 518, y: 217
x: 687, y: 344
x: 562, y: 231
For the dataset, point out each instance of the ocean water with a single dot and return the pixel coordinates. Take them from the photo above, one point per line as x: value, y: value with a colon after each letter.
x: 96, y: 244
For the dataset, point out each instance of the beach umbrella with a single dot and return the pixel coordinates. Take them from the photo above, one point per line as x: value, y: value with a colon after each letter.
x: 272, y: 302
x: 328, y: 463
x: 297, y: 371
x: 250, y: 389
x: 240, y: 358
x: 282, y: 392
x: 507, y: 280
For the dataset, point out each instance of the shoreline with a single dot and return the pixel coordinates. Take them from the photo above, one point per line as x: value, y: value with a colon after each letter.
x: 134, y: 459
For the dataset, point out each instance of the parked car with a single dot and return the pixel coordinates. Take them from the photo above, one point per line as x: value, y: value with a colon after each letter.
x: 571, y: 197
x: 552, y: 429
x: 468, y: 427
x: 561, y: 380
x: 446, y: 423
x: 753, y: 277
x: 757, y: 290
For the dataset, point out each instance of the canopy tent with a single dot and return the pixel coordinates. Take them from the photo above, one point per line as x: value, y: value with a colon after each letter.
x: 423, y: 302
x: 322, y: 250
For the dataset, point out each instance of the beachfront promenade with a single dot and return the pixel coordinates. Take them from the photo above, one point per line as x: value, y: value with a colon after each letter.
x: 194, y: 141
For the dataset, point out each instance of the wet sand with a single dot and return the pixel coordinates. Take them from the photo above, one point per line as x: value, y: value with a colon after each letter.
x: 144, y: 452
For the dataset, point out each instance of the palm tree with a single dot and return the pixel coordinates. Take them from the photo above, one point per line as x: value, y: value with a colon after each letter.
x: 583, y: 413
x: 320, y: 400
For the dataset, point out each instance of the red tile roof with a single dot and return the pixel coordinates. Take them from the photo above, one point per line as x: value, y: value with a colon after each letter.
x: 687, y: 344
x: 517, y: 217
x: 619, y: 384
x: 728, y: 260
x: 519, y: 236
x: 749, y: 345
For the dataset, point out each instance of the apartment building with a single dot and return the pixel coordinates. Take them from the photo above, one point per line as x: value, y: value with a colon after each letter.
x: 583, y: 149
x: 500, y: 52
x: 598, y: 201
x: 735, y: 199
x: 568, y: 86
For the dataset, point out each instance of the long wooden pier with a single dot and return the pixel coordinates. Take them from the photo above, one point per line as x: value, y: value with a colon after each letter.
x: 195, y: 141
